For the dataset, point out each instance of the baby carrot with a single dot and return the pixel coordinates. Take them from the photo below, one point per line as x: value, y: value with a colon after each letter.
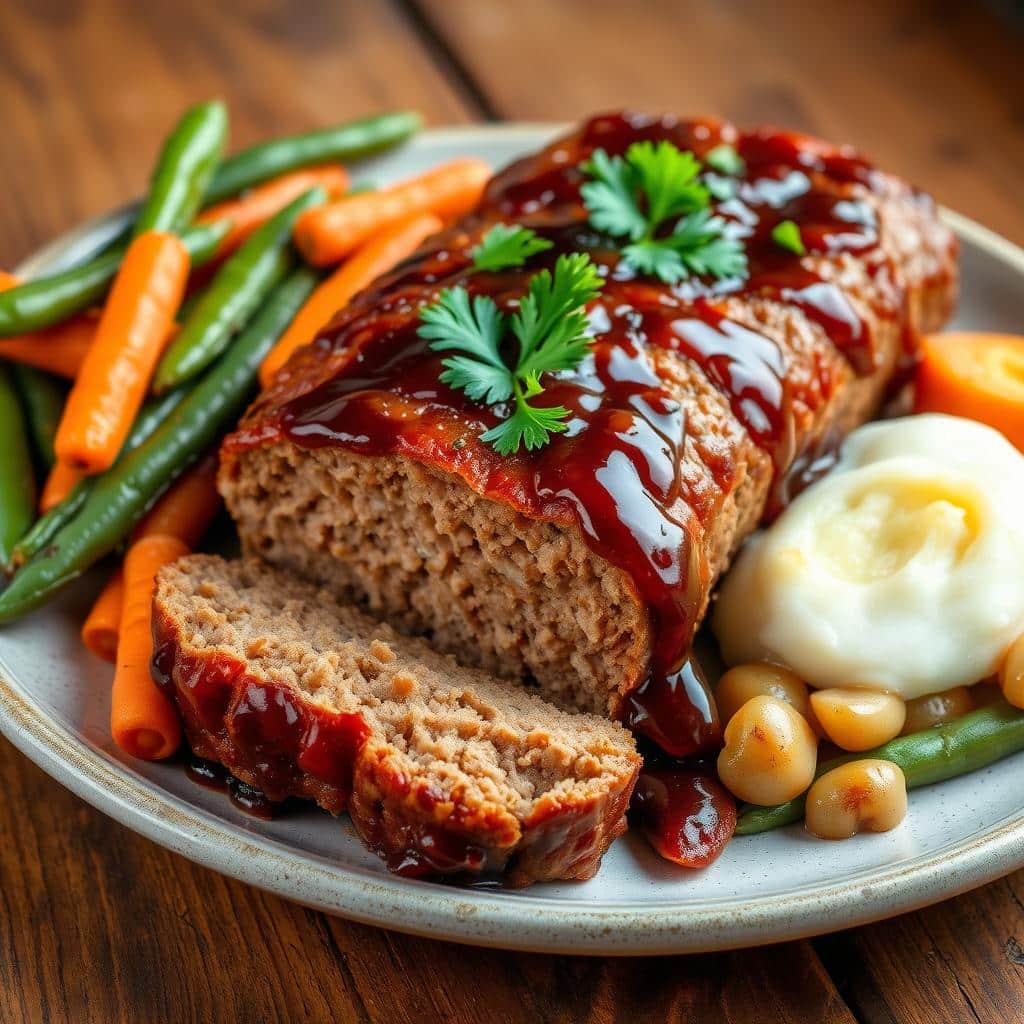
x: 188, y: 507
x: 101, y: 627
x: 60, y: 481
x: 59, y: 349
x: 979, y: 376
x: 132, y: 331
x: 143, y: 722
x: 328, y: 233
x: 253, y: 209
x: 373, y: 258
x: 185, y: 511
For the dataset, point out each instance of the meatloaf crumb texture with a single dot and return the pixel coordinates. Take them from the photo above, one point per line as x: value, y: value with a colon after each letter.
x: 513, y: 595
x: 451, y: 769
x: 417, y: 546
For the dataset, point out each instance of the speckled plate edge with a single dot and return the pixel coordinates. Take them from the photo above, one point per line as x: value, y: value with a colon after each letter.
x: 481, y: 917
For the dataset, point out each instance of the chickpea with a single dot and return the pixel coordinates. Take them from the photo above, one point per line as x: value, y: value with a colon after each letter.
x: 858, y: 719
x: 937, y: 709
x: 770, y: 753
x: 1011, y: 673
x: 866, y: 795
x: 759, y: 679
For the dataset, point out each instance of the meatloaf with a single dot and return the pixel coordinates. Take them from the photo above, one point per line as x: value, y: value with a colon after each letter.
x: 587, y: 565
x: 443, y: 769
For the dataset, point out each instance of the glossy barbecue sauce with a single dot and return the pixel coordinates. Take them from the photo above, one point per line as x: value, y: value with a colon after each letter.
x: 618, y: 473
x: 687, y: 816
x: 278, y: 740
x: 284, y: 747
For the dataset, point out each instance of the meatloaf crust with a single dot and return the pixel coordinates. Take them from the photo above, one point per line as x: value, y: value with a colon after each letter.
x: 442, y: 769
x: 588, y: 565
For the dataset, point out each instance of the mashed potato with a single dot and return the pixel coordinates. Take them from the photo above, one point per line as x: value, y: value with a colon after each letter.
x: 902, y: 569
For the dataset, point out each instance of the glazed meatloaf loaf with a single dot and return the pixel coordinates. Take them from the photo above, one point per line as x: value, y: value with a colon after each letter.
x: 443, y: 769
x: 586, y: 566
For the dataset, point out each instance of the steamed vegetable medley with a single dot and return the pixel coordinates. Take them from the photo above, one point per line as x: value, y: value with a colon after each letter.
x: 119, y: 376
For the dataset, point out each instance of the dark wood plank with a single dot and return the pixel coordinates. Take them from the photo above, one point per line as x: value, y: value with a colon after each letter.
x: 100, y: 925
x: 959, y: 961
x: 91, y: 87
x: 934, y: 91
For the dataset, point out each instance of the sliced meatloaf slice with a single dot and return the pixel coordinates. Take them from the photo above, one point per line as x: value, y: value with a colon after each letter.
x: 443, y: 769
x: 588, y: 564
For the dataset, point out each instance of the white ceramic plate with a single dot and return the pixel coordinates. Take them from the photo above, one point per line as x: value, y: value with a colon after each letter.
x: 54, y: 706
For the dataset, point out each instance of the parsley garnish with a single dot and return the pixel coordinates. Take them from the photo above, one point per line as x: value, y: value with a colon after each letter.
x: 634, y: 197
x: 725, y: 160
x: 550, y: 329
x: 507, y: 246
x: 720, y: 186
x: 787, y: 235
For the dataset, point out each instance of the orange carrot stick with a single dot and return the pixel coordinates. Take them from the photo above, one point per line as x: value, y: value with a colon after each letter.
x: 59, y: 349
x: 143, y: 722
x: 326, y: 234
x: 976, y: 375
x: 188, y: 507
x: 185, y: 512
x: 61, y: 479
x: 103, y: 624
x: 132, y: 332
x: 368, y: 262
x: 259, y: 204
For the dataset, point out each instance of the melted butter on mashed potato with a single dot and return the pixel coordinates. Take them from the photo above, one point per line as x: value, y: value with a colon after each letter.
x: 903, y: 568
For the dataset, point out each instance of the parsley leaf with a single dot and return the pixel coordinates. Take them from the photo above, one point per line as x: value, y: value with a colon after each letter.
x: 528, y: 425
x: 550, y: 328
x: 697, y: 247
x: 634, y: 197
x: 725, y: 160
x: 475, y: 328
x: 787, y: 235
x: 551, y: 321
x: 667, y: 176
x: 721, y: 187
x: 506, y: 246
x: 611, y: 197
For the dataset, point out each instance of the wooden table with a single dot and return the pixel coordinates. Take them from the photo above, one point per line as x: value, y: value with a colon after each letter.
x: 97, y: 924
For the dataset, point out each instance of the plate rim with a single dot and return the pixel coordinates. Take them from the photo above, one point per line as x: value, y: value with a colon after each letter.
x: 484, y: 918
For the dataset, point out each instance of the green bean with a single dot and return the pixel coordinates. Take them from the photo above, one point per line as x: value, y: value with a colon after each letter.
x: 185, y: 169
x: 17, y: 479
x: 43, y: 397
x: 45, y: 301
x: 150, y: 416
x: 123, y: 495
x: 933, y: 755
x: 343, y: 142
x: 235, y: 293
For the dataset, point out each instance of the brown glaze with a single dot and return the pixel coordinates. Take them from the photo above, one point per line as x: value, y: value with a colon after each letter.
x: 687, y: 816
x: 211, y: 775
x: 276, y: 736
x: 614, y: 474
x: 276, y: 743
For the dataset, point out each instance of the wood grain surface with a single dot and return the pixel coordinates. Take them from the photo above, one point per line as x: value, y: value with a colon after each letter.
x: 97, y: 924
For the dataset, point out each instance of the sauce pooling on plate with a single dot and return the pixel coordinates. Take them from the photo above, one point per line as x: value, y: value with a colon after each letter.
x: 616, y: 473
